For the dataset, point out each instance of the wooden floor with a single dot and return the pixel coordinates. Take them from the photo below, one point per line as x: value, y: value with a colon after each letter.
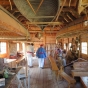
x: 43, y: 78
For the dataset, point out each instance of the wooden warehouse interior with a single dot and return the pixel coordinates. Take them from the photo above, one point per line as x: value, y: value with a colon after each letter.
x: 49, y: 22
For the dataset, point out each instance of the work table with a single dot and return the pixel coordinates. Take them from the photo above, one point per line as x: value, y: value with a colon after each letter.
x: 11, y: 77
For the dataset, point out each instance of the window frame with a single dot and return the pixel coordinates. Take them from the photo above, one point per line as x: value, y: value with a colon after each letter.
x: 83, y: 49
x: 3, y: 48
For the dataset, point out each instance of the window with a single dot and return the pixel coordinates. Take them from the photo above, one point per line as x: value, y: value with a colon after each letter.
x: 23, y: 45
x: 2, y: 47
x: 17, y: 46
x: 65, y: 46
x: 84, y: 47
x: 69, y: 46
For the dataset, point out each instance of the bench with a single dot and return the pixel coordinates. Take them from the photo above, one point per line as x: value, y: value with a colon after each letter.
x: 65, y: 76
x: 53, y: 65
x: 68, y: 78
x: 60, y: 72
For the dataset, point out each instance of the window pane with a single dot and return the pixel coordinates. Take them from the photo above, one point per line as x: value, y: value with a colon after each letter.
x: 17, y: 46
x: 69, y: 46
x: 64, y: 46
x: 2, y: 47
x: 84, y: 47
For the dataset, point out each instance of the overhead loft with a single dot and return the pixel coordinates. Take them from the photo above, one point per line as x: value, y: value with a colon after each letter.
x: 76, y: 28
x: 10, y: 27
x: 66, y: 12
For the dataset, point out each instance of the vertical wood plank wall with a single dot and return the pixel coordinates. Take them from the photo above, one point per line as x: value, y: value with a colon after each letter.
x: 83, y: 38
x: 49, y: 41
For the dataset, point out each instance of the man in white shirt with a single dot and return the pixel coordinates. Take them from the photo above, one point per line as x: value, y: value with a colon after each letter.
x: 30, y: 52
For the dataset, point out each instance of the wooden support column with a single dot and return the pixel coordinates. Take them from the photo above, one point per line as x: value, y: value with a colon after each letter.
x: 8, y: 52
x: 20, y: 47
x: 68, y: 45
x: 62, y: 43
x: 44, y: 38
x: 79, y: 47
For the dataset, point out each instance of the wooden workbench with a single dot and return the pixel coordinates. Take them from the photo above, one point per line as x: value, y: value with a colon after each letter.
x: 8, y: 81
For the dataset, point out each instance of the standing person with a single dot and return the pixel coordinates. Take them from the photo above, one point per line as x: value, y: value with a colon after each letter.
x: 60, y: 53
x: 30, y: 52
x: 32, y: 45
x: 41, y: 54
x: 64, y: 58
x: 60, y: 56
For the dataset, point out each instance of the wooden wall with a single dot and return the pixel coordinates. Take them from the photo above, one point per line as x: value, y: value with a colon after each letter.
x: 83, y: 38
x: 5, y: 55
x: 48, y: 39
x: 12, y: 48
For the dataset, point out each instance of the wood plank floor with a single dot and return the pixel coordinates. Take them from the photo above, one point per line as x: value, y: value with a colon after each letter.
x: 43, y: 78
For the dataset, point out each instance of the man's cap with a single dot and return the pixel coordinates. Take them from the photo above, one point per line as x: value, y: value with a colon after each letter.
x: 41, y: 44
x: 32, y: 44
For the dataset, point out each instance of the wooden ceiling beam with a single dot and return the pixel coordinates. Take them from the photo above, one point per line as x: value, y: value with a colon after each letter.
x: 48, y: 31
x: 42, y: 17
x: 75, y: 29
x: 21, y: 19
x: 15, y: 11
x: 69, y: 17
x: 19, y: 16
x: 49, y: 23
x: 5, y: 31
x: 66, y: 18
x: 12, y: 38
x: 72, y: 11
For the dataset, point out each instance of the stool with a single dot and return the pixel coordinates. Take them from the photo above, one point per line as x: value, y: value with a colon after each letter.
x: 24, y: 81
x: 22, y: 77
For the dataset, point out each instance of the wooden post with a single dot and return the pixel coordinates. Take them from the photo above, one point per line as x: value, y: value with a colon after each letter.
x: 26, y: 67
x: 79, y: 54
x: 44, y: 36
x: 68, y: 45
